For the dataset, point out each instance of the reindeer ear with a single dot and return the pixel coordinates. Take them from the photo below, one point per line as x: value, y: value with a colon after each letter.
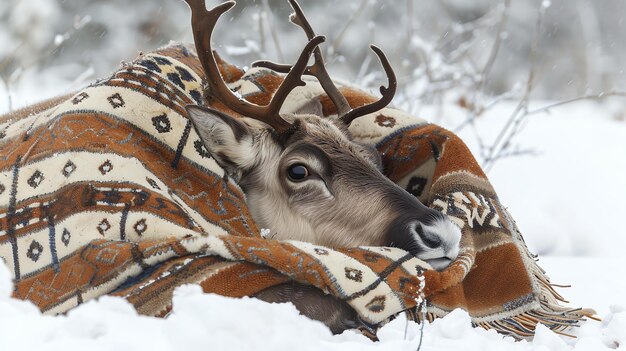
x: 228, y: 139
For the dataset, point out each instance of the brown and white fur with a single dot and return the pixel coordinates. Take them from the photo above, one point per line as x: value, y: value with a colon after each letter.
x: 345, y: 201
x: 303, y: 175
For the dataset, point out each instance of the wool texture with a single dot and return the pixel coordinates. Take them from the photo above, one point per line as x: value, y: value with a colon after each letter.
x: 111, y: 191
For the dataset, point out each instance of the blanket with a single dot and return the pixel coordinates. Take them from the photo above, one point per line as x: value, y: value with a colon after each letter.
x: 111, y: 191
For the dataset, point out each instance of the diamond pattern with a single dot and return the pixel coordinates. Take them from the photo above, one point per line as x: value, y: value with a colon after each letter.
x: 201, y: 149
x: 103, y: 226
x: 161, y: 123
x: 141, y: 226
x: 66, y: 236
x: 116, y: 100
x: 106, y: 167
x: 35, y: 179
x: 80, y: 98
x: 354, y: 274
x: 385, y: 121
x: 69, y: 168
x: 34, y: 251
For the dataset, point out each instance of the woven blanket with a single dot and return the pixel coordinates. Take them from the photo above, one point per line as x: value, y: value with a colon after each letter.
x: 110, y: 191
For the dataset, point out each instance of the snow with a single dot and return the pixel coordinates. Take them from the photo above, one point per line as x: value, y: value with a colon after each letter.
x: 213, y: 322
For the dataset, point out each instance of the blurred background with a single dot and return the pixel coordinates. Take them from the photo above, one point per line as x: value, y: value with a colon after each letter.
x: 434, y: 45
x: 536, y: 88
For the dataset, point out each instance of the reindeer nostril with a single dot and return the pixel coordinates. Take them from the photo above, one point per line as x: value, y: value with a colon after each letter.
x: 431, y: 239
x: 436, y: 241
x: 426, y: 235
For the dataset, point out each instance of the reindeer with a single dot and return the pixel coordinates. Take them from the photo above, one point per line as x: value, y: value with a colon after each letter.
x: 303, y: 175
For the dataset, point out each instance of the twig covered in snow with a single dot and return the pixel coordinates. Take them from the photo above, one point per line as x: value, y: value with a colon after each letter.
x: 477, y: 106
x: 501, y: 146
x: 440, y: 75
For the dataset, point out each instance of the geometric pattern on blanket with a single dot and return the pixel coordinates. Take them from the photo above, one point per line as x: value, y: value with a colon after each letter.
x: 112, y: 192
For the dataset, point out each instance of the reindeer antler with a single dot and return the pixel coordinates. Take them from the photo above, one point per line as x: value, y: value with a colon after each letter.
x: 203, y: 22
x: 386, y: 92
x: 318, y: 70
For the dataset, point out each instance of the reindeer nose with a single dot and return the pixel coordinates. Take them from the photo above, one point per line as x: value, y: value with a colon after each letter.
x: 435, y: 240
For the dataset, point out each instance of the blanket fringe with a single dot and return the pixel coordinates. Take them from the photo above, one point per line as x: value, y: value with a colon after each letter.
x: 522, y: 326
x: 550, y: 313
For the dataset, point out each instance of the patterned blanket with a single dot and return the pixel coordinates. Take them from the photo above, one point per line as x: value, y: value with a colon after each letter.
x: 110, y: 191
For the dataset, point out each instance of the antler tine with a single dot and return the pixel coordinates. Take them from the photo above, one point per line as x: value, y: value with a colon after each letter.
x: 203, y: 22
x: 386, y: 92
x: 318, y: 69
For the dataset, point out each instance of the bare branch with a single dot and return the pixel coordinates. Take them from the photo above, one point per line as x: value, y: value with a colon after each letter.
x: 273, y: 33
x: 596, y: 97
x: 496, y: 44
x: 503, y: 141
x: 477, y: 106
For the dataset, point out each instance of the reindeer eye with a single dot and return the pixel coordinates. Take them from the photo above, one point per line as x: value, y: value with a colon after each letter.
x: 297, y: 173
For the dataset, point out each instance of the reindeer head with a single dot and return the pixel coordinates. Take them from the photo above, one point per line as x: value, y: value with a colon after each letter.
x: 303, y: 175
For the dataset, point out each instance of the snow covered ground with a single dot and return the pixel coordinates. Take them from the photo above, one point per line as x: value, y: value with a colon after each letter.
x: 212, y: 322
